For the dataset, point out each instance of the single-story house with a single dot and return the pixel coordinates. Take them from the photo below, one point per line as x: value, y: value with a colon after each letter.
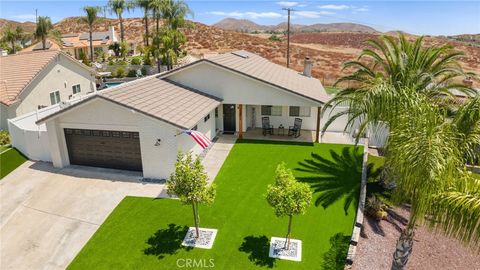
x: 38, y: 79
x: 138, y: 125
x: 75, y: 44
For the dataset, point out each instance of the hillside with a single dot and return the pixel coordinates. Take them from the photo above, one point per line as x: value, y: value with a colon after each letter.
x: 328, y: 50
x: 249, y: 26
x: 28, y: 27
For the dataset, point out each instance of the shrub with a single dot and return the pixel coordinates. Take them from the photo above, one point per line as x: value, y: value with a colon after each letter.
x: 132, y: 73
x: 144, y: 71
x: 376, y: 208
x: 274, y: 37
x: 120, y: 72
x: 110, y: 62
x: 122, y: 62
x: 137, y: 60
x: 4, y: 137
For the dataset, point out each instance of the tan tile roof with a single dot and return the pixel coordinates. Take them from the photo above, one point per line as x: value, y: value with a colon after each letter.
x: 257, y: 67
x: 50, y: 45
x: 159, y: 98
x: 17, y: 71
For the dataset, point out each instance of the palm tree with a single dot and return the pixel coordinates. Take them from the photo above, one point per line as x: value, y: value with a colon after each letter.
x: 145, y: 5
x: 174, y: 13
x: 44, y: 25
x: 90, y: 19
x: 397, y: 64
x: 12, y: 35
x: 402, y: 85
x: 423, y: 151
x: 118, y: 7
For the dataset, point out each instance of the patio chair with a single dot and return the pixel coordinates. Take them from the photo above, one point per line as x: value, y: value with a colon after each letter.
x: 266, y: 127
x: 295, y: 129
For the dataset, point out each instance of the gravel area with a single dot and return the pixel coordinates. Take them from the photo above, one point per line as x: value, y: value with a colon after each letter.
x: 205, y: 240
x: 430, y: 250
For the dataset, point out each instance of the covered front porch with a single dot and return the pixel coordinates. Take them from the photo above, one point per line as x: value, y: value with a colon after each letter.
x: 247, y: 122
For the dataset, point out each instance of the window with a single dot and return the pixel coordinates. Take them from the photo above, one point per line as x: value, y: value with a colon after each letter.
x: 272, y: 110
x: 55, y: 97
x: 216, y: 112
x: 206, y: 118
x: 76, y: 88
x: 195, y: 127
x: 299, y: 111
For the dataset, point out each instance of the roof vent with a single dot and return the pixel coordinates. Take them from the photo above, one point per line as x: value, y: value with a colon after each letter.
x: 242, y: 54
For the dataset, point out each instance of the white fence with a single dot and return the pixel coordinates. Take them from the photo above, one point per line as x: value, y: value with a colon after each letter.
x: 377, y: 134
x: 32, y: 139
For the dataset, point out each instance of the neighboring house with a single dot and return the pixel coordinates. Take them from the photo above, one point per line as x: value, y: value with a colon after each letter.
x: 75, y: 44
x: 138, y: 125
x: 50, y: 44
x: 34, y: 80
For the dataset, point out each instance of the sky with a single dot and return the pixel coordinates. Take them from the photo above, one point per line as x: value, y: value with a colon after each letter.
x: 427, y: 17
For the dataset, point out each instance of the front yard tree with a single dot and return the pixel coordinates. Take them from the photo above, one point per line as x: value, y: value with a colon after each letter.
x: 189, y: 183
x: 288, y: 197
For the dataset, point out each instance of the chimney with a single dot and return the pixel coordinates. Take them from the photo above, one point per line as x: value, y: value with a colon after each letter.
x: 111, y: 31
x: 307, y: 67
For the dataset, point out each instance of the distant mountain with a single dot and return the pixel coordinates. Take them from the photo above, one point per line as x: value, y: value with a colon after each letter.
x: 28, y: 27
x: 249, y: 26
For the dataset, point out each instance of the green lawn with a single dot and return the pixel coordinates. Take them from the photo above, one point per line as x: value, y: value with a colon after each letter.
x: 144, y: 233
x: 10, y: 160
x: 476, y: 175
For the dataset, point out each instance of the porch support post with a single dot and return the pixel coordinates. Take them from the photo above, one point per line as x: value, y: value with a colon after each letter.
x: 317, y: 134
x: 240, y: 121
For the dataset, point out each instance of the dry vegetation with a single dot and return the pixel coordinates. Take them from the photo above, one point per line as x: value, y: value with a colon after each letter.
x: 328, y: 50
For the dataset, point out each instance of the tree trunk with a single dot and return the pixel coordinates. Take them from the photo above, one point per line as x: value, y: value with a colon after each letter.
x: 13, y: 47
x: 159, y: 65
x: 195, y: 218
x: 287, y: 242
x: 44, y: 45
x: 91, y: 45
x: 146, y: 27
x: 121, y: 27
x: 403, y: 249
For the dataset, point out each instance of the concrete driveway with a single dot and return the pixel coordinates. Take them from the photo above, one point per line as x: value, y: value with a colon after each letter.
x: 47, y: 215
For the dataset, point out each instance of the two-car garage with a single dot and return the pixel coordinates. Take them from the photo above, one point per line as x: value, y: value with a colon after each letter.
x: 104, y: 148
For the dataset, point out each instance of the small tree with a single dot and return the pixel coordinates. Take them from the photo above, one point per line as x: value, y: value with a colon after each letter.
x: 288, y: 197
x: 189, y: 183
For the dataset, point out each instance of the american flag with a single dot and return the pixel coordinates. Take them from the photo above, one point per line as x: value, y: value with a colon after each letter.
x: 199, y: 137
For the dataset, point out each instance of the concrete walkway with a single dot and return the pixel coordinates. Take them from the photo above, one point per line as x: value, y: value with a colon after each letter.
x: 47, y: 214
x: 215, y: 157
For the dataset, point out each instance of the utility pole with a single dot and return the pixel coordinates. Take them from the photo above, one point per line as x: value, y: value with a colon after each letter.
x: 288, y: 35
x: 36, y: 16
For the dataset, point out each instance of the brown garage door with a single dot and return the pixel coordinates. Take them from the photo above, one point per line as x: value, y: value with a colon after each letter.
x: 104, y: 148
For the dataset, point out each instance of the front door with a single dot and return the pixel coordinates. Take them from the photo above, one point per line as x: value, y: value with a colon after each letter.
x: 229, y: 118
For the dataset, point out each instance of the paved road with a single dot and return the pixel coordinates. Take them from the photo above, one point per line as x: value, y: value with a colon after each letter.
x: 47, y: 215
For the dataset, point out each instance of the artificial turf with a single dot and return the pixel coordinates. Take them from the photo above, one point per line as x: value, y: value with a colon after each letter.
x: 9, y: 160
x: 145, y: 233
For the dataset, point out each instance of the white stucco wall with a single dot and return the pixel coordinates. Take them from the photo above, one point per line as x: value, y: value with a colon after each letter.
x: 234, y: 88
x: 157, y: 161
x: 238, y: 89
x: 308, y: 123
x: 61, y: 74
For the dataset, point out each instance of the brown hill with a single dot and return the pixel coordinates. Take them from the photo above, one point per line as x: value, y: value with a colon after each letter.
x: 28, y: 27
x: 249, y: 26
x: 328, y: 50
